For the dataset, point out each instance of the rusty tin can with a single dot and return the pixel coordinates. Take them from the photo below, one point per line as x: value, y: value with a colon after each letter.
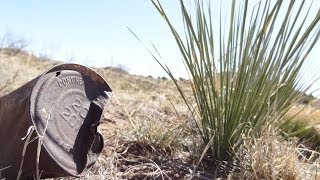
x: 48, y: 127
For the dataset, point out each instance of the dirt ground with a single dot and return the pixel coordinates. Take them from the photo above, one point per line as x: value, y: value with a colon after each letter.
x: 148, y: 131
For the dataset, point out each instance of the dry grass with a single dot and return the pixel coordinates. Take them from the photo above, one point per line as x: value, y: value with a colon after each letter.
x: 19, y: 69
x: 146, y: 138
x: 308, y: 113
x: 305, y: 117
x: 272, y: 157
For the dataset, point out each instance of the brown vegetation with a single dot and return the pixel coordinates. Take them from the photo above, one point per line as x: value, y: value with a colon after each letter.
x: 146, y: 137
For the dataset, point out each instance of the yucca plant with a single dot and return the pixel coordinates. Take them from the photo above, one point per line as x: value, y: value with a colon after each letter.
x: 255, y: 76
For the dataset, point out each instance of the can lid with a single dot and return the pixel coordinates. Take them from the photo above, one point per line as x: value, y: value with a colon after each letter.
x: 66, y: 106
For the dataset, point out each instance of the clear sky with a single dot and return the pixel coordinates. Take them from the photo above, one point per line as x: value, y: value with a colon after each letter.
x: 95, y: 33
x: 92, y: 33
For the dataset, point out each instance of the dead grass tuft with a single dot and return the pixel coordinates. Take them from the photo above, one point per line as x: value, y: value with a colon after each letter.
x: 271, y: 157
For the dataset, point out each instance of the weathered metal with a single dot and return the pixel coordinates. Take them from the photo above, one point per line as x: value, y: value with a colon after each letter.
x: 49, y: 125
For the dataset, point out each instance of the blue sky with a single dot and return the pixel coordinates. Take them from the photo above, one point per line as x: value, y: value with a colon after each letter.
x: 95, y: 33
x: 92, y: 33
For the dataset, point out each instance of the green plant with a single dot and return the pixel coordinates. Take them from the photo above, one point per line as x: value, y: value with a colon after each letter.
x: 255, y: 77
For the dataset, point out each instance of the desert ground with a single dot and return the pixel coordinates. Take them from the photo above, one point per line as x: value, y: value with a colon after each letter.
x: 149, y: 132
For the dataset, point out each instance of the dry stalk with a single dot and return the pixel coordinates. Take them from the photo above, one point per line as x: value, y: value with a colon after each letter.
x: 30, y: 132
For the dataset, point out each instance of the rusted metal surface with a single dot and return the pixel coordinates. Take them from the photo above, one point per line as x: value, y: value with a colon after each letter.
x: 56, y: 114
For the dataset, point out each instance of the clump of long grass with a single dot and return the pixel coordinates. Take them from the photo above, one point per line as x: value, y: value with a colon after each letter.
x: 272, y: 157
x: 159, y: 135
x: 254, y: 78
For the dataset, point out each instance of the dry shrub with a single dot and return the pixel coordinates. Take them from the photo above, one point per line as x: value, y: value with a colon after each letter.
x: 272, y: 157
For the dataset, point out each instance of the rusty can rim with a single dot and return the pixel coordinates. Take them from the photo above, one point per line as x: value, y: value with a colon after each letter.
x: 82, y: 69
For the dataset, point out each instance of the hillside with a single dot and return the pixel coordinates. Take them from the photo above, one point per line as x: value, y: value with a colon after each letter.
x: 140, y: 126
x: 145, y: 137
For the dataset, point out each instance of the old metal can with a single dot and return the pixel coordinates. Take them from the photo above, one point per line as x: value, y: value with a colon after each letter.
x: 48, y: 127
